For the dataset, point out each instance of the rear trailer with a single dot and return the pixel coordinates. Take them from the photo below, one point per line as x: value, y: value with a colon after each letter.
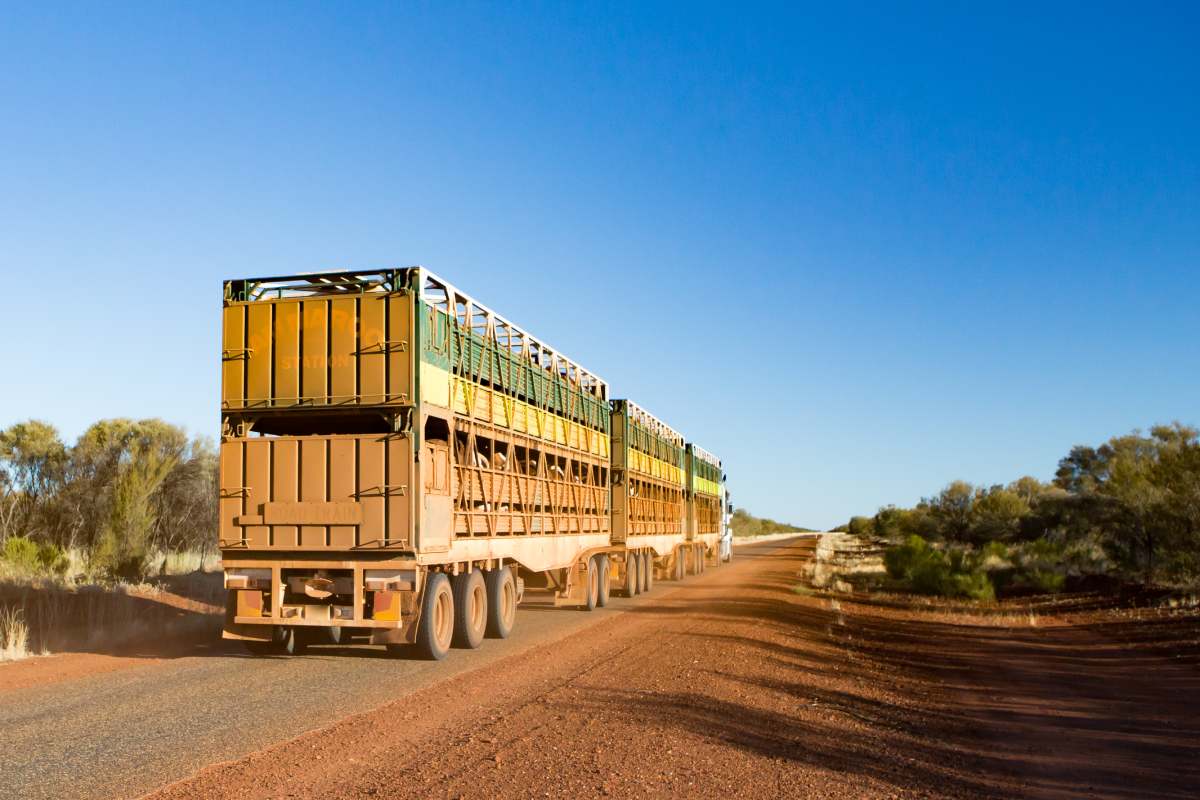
x: 397, y: 461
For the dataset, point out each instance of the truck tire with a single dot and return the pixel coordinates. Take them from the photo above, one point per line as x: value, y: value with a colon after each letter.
x: 295, y: 640
x: 648, y: 576
x: 501, y: 601
x: 470, y: 609
x: 435, y: 629
x: 602, y: 581
x: 631, y: 581
x: 591, y: 588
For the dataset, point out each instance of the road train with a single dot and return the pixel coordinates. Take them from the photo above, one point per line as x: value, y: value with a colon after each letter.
x: 400, y: 463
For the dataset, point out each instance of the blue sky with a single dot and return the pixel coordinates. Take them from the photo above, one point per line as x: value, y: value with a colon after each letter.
x: 855, y: 252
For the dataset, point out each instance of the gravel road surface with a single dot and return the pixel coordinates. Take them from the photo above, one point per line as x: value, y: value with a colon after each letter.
x: 124, y: 733
x: 737, y: 683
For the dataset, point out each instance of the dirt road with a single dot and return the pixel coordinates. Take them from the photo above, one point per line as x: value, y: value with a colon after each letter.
x: 123, y: 732
x: 732, y: 684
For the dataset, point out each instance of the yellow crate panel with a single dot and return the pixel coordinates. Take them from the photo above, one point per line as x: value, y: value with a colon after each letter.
x: 372, y: 359
x: 233, y: 387
x: 287, y: 353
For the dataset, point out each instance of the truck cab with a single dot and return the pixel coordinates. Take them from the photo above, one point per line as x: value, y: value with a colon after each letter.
x: 726, y: 549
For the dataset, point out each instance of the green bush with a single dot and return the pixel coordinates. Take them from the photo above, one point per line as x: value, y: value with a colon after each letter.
x: 1041, y: 565
x: 1046, y: 580
x: 931, y: 575
x: 976, y: 585
x: 28, y: 557
x: 22, y: 554
x: 861, y: 526
x: 899, y: 560
x: 54, y: 559
x: 951, y: 573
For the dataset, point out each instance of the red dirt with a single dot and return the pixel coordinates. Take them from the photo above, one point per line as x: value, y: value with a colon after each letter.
x: 735, y: 685
x: 163, y: 624
x: 45, y: 670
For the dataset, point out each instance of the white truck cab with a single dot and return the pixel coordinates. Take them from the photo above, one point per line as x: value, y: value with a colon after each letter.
x: 726, y: 551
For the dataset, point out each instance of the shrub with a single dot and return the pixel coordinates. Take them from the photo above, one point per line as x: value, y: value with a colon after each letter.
x: 28, y: 558
x: 931, y: 575
x: 53, y: 559
x: 956, y: 572
x: 976, y: 585
x: 1047, y: 580
x: 1041, y: 564
x: 861, y: 526
x: 899, y: 560
x: 22, y: 554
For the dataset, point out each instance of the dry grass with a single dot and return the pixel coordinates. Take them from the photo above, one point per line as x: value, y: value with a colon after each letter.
x: 14, y: 635
x: 187, y: 562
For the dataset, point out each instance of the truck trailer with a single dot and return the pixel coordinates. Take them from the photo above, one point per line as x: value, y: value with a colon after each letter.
x: 398, y: 463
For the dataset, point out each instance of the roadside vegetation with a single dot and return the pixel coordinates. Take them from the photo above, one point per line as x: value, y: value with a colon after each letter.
x: 89, y: 530
x: 745, y: 524
x: 1125, y: 513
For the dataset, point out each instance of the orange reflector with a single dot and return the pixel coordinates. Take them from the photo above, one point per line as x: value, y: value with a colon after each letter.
x: 385, y: 606
x: 249, y: 603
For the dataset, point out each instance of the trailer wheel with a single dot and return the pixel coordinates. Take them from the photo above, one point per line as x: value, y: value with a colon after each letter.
x: 648, y: 572
x: 602, y: 581
x: 631, y: 575
x: 436, y: 626
x: 295, y: 640
x: 591, y: 590
x: 501, y: 602
x: 470, y: 609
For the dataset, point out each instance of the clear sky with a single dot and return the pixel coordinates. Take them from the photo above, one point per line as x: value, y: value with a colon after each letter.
x: 855, y: 252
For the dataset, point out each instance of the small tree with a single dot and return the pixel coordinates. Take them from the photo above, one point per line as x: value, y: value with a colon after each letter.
x: 131, y: 460
x: 31, y: 461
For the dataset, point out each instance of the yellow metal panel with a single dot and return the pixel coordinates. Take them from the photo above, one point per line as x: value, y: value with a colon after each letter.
x: 233, y: 365
x: 284, y: 476
x: 343, y: 327
x: 313, y: 484
x: 258, y: 339
x: 400, y: 316
x: 399, y: 457
x: 435, y: 385
x: 341, y: 487
x: 315, y: 361
x: 258, y: 482
x: 287, y: 353
x: 372, y: 359
x: 231, y: 490
x: 370, y: 487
